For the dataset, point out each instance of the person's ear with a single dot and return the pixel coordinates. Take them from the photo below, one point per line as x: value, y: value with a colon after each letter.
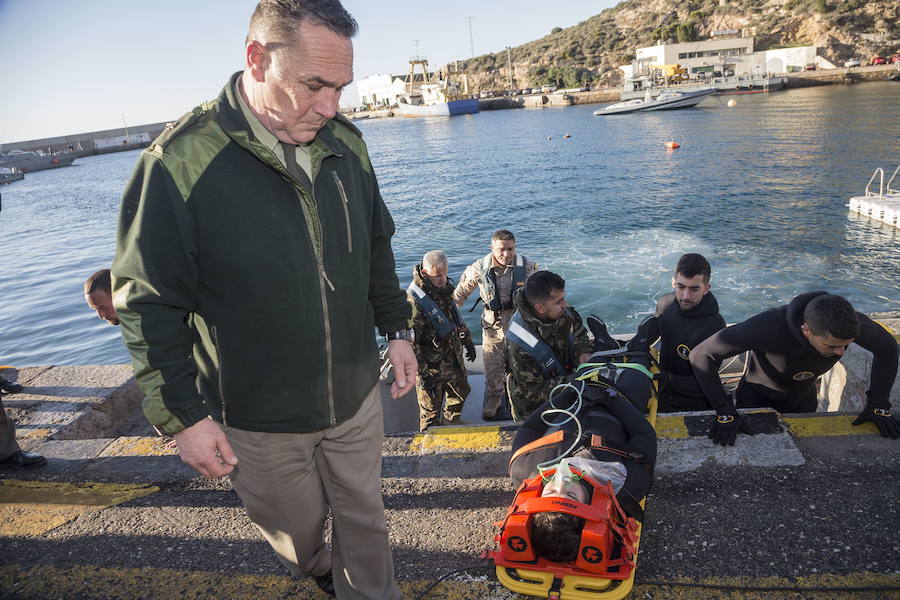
x: 257, y: 58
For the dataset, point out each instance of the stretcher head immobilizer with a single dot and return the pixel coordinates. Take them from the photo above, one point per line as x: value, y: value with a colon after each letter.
x: 606, y: 554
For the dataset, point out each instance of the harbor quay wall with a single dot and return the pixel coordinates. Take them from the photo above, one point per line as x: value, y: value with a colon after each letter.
x: 93, y: 142
x: 842, y: 75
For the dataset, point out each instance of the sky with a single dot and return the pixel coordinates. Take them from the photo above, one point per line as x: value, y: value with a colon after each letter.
x: 72, y: 66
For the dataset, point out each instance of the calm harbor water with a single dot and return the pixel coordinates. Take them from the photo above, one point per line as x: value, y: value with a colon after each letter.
x: 760, y: 189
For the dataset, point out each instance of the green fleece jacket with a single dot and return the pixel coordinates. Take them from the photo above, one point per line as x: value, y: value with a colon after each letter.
x: 244, y: 296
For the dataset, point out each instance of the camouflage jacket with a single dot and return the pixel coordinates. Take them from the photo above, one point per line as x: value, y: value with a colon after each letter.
x: 439, y: 360
x: 529, y: 386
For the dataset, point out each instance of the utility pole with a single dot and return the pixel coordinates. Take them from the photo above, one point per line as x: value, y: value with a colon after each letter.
x: 471, y: 43
x: 416, y: 44
x: 509, y: 66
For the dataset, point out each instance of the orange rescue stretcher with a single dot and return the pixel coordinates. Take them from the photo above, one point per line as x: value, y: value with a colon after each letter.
x: 607, y: 557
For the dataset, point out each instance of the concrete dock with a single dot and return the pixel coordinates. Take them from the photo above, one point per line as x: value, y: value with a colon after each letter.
x: 809, y: 507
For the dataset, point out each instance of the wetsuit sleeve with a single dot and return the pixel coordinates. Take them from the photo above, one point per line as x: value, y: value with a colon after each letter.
x: 392, y: 306
x: 154, y: 291
x: 707, y: 357
x: 874, y: 338
x: 470, y: 280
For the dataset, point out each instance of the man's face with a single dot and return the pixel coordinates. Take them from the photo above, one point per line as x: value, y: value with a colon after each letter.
x: 825, y: 344
x: 436, y: 275
x: 101, y: 303
x: 552, y: 308
x: 565, y: 488
x: 504, y: 251
x: 301, y: 81
x: 689, y: 291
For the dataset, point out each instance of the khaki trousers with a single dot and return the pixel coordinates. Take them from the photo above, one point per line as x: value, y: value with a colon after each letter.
x: 493, y: 345
x: 8, y: 443
x: 288, y: 482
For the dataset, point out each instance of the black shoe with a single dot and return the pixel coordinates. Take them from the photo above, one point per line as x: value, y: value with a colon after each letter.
x: 10, y: 387
x: 647, y: 333
x: 602, y: 339
x: 325, y: 583
x: 24, y: 460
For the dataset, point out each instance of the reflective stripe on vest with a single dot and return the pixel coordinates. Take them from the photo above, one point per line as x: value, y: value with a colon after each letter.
x: 438, y: 319
x: 541, y: 352
x: 488, y: 285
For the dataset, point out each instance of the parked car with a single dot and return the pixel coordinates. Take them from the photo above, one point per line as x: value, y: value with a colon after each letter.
x: 878, y: 60
x: 895, y: 58
x: 809, y: 67
x: 853, y: 62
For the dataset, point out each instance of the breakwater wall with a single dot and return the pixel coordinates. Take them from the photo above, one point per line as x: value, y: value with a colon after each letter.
x: 842, y: 75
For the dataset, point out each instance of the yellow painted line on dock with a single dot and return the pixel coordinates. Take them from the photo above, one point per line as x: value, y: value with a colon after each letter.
x: 671, y: 427
x: 828, y: 425
x: 30, y: 508
x: 444, y: 439
x: 87, y: 582
x: 140, y: 446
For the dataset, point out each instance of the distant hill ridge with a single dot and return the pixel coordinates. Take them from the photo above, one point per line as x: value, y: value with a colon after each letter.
x: 592, y: 51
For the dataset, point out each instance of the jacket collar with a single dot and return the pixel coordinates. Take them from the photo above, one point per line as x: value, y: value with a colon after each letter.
x: 231, y: 119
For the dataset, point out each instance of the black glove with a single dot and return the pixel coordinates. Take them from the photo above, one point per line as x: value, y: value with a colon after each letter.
x: 726, y: 427
x: 887, y: 424
x: 470, y: 352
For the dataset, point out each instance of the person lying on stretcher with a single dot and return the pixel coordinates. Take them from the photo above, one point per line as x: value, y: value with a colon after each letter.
x: 608, y: 440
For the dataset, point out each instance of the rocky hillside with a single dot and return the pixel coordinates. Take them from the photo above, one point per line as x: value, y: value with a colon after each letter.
x: 591, y: 51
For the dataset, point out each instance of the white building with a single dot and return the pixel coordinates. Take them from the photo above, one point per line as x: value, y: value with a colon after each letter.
x: 723, y: 57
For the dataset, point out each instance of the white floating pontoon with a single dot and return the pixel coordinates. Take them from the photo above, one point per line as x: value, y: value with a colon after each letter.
x: 882, y: 206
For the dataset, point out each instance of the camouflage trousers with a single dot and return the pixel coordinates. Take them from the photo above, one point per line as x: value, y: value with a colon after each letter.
x: 441, y: 399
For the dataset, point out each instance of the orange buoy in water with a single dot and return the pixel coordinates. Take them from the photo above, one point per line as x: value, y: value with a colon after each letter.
x: 567, y: 136
x: 672, y: 145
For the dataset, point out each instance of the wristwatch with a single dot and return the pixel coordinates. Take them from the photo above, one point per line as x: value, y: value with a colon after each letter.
x: 404, y: 334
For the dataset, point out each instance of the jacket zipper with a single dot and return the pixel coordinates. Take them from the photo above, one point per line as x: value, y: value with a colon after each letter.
x: 215, y: 340
x: 343, y: 193
x: 329, y: 363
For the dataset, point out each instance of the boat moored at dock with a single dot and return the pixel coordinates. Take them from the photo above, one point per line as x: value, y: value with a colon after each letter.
x: 27, y: 161
x: 10, y: 174
x: 664, y: 101
x: 437, y: 98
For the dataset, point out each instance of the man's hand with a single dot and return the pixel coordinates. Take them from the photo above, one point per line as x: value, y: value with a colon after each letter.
x: 403, y: 359
x: 470, y: 352
x: 887, y: 423
x: 726, y: 427
x: 204, y: 447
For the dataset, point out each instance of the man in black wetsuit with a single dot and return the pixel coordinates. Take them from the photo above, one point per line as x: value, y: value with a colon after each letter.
x: 687, y: 316
x: 791, y: 346
x: 618, y: 444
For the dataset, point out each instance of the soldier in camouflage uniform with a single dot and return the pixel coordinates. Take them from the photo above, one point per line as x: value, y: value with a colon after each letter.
x: 440, y: 338
x: 543, y: 319
x: 497, y: 276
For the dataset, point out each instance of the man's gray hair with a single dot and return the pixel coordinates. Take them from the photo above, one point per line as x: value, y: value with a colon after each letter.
x: 435, y: 258
x: 277, y: 20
